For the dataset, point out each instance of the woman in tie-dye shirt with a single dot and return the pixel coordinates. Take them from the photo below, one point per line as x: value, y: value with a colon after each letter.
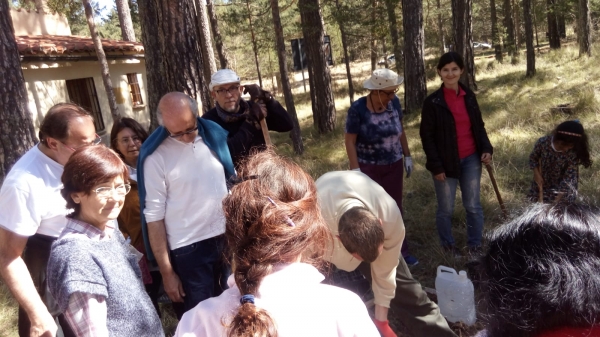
x: 375, y: 140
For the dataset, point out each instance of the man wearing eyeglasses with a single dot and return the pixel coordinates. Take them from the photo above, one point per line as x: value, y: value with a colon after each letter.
x: 183, y: 168
x: 32, y: 215
x: 242, y: 118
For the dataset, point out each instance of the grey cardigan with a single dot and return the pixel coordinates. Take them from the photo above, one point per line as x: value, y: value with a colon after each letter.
x: 105, y: 268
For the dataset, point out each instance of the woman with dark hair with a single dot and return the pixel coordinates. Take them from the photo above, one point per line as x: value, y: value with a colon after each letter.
x: 539, y: 277
x: 275, y: 234
x: 375, y: 140
x: 455, y: 143
x: 555, y: 161
x: 92, y: 272
x: 126, y: 138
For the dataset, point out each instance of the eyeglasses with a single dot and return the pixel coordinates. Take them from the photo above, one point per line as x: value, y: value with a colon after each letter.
x: 389, y: 93
x: 181, y: 134
x: 96, y: 141
x: 108, y: 192
x: 232, y: 91
x: 126, y: 140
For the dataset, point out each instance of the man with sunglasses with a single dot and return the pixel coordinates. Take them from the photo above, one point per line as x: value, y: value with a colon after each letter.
x: 32, y: 215
x: 182, y: 170
x: 242, y: 118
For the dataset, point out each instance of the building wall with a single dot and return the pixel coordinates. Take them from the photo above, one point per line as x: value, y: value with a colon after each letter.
x: 46, y: 87
x: 35, y: 23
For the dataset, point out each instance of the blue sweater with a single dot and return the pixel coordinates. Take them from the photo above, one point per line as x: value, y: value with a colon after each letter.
x: 214, y: 136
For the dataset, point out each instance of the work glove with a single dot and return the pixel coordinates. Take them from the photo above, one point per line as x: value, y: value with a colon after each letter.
x: 257, y: 112
x: 408, y: 166
x: 384, y: 328
x: 257, y: 93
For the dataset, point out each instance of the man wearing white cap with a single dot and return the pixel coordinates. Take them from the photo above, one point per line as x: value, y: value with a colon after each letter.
x: 242, y: 118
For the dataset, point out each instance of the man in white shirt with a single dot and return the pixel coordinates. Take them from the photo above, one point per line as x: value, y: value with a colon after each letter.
x: 367, y: 225
x: 32, y: 215
x: 183, y: 167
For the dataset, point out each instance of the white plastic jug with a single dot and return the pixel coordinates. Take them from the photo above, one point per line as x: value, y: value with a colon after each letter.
x: 456, y: 296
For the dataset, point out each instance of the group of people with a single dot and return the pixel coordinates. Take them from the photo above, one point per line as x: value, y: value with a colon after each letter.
x: 243, y: 241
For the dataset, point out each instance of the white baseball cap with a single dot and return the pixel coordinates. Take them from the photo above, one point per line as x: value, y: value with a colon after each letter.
x: 223, y: 76
x: 383, y: 78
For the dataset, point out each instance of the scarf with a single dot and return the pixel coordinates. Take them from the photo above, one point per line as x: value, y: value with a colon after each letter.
x: 230, y: 117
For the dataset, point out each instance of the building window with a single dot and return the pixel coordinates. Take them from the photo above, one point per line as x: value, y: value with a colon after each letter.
x: 83, y: 92
x: 134, y: 89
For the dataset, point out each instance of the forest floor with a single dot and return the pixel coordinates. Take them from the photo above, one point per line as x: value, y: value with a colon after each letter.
x: 516, y: 111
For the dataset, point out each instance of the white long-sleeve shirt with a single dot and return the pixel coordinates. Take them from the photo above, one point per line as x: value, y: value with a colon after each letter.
x: 185, y: 186
x: 296, y: 301
x: 340, y: 191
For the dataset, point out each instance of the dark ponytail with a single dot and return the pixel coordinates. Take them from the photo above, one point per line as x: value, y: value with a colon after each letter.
x: 572, y: 132
x: 272, y: 217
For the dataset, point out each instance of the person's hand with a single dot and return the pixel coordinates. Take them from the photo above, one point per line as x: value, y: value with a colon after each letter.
x: 408, y: 166
x: 486, y: 158
x: 173, y: 287
x: 384, y: 328
x: 257, y: 112
x: 43, y: 326
x: 440, y: 177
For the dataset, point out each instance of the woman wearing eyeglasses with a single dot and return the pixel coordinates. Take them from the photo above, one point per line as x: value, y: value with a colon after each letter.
x: 93, y: 272
x: 375, y: 139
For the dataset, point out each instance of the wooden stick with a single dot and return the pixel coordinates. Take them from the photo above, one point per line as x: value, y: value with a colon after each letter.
x: 265, y: 131
x: 493, y: 179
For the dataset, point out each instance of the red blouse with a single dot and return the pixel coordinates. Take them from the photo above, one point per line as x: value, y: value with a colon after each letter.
x: 464, y: 135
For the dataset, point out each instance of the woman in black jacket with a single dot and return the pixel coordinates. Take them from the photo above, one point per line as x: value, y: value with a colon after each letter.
x: 455, y: 143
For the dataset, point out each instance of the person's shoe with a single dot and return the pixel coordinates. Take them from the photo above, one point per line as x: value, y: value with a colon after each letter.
x: 475, y: 252
x: 452, y: 250
x: 411, y: 260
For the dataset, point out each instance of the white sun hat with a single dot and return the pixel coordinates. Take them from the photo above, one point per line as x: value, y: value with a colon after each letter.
x: 383, y: 78
x: 223, y: 76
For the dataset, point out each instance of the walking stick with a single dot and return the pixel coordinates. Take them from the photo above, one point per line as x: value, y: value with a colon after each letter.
x: 493, y: 179
x: 540, y: 186
x: 263, y: 125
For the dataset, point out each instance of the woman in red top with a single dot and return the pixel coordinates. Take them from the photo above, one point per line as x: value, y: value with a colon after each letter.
x: 455, y: 143
x: 539, y: 277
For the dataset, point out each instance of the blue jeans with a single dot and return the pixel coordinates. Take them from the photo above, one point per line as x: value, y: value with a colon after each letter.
x: 445, y: 191
x: 202, y: 269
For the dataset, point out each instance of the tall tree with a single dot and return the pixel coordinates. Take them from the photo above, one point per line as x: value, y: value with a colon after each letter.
x: 172, y: 50
x: 110, y: 94
x: 415, y: 88
x: 391, y: 11
x: 16, y: 124
x: 314, y: 34
x: 285, y: 82
x: 496, y: 39
x: 463, y: 39
x: 509, y: 25
x: 440, y: 27
x: 208, y: 55
x: 125, y: 20
x: 584, y: 33
x: 553, y: 31
x: 254, y: 43
x: 528, y: 16
x: 217, y: 35
x: 373, y: 36
x: 344, y: 39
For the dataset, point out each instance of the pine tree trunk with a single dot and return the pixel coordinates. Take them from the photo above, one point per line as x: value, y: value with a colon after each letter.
x: 173, y: 55
x: 509, y: 24
x: 391, y: 11
x: 254, y: 43
x: 463, y: 39
x: 496, y: 40
x: 110, y: 94
x: 373, y: 37
x: 285, y: 82
x: 528, y: 17
x: 584, y: 33
x: 205, y: 40
x: 517, y: 18
x: 553, y: 32
x: 217, y: 35
x: 415, y: 88
x: 124, y: 13
x: 346, y: 57
x: 440, y: 23
x: 314, y: 33
x: 16, y: 124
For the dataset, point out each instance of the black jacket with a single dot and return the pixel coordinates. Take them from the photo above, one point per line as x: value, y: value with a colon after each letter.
x: 438, y: 133
x: 243, y: 136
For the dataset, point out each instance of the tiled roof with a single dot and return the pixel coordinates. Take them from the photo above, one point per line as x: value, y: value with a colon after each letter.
x: 55, y: 45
